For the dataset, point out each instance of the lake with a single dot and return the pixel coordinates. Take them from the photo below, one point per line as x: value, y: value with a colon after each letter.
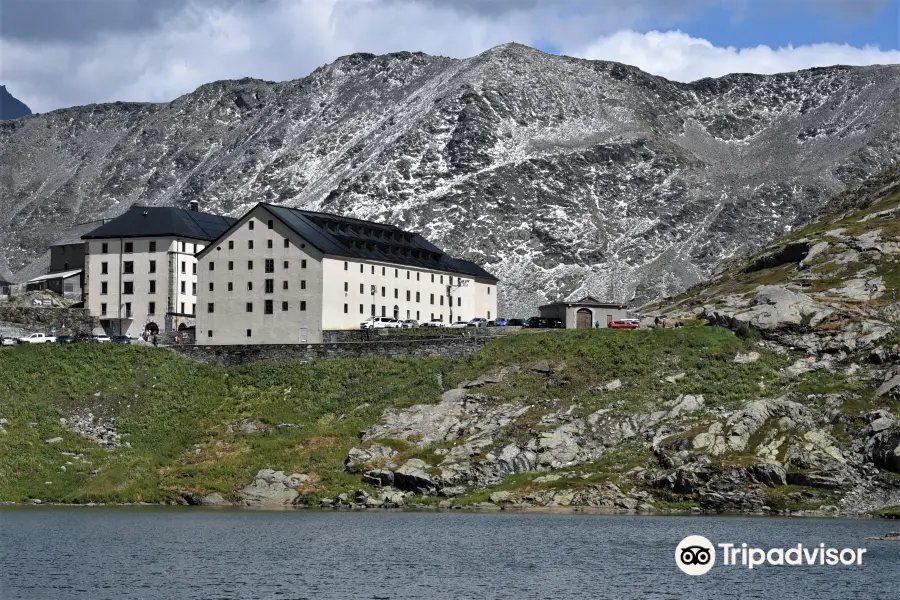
x: 93, y: 553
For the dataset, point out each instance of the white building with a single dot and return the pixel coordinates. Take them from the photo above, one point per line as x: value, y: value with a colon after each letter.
x: 283, y: 276
x: 140, y: 269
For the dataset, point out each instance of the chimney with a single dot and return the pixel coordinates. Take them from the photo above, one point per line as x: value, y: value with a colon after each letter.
x: 195, y: 206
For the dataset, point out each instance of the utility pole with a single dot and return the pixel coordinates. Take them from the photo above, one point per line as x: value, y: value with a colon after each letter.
x: 461, y: 283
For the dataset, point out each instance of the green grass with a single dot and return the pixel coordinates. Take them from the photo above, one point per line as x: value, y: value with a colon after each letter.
x: 176, y: 412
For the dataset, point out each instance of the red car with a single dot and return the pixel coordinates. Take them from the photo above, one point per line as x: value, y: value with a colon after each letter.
x: 624, y: 324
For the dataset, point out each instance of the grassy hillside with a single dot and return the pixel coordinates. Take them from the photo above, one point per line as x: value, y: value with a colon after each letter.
x: 175, y: 413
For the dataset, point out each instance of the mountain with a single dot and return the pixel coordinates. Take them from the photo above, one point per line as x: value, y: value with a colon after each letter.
x: 563, y: 176
x: 11, y: 107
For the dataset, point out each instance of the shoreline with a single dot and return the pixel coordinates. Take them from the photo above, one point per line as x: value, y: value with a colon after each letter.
x: 552, y: 510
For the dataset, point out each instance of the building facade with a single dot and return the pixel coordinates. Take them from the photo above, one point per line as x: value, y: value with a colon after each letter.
x: 141, y: 268
x: 283, y: 276
x: 585, y: 313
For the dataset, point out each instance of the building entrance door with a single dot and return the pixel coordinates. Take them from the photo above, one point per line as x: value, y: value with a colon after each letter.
x: 583, y: 318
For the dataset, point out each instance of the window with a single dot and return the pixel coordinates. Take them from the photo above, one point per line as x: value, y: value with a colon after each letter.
x: 442, y: 300
x: 432, y: 299
x: 287, y: 243
x: 286, y: 264
x: 248, y: 331
x: 302, y: 284
x: 194, y: 288
x: 270, y: 286
x: 104, y: 268
x: 383, y: 311
x: 361, y: 310
x: 407, y: 295
x: 231, y: 265
x: 489, y: 291
x: 249, y: 244
x: 211, y: 307
x: 151, y: 308
x: 183, y: 266
x: 303, y: 305
x: 128, y: 287
x: 103, y: 308
x: 459, y: 301
x: 303, y: 264
x: 346, y: 265
x: 360, y: 268
x: 271, y: 224
x: 432, y: 278
x: 129, y: 247
x: 104, y: 287
x: 210, y: 286
x: 284, y: 306
x: 153, y: 266
x: 182, y: 308
x: 269, y: 244
x: 249, y: 265
x: 489, y: 314
x: 396, y: 272
x: 128, y: 267
x: 269, y: 265
x: 183, y: 249
x: 442, y: 279
x: 152, y: 248
x: 152, y: 283
x: 249, y: 286
x: 183, y: 287
x: 373, y: 272
x: 383, y: 271
x: 268, y: 307
x: 362, y: 289
x: 417, y: 276
x: 249, y: 307
x: 407, y: 274
x: 284, y: 285
x: 104, y: 249
x: 209, y: 333
x: 450, y: 280
x: 230, y: 286
x: 383, y: 291
x: 418, y: 297
x: 373, y: 310
x: 231, y: 244
x: 194, y: 268
x: 346, y: 308
x: 396, y: 293
x: 346, y: 286
x: 250, y: 227
x: 417, y: 315
x: 127, y: 309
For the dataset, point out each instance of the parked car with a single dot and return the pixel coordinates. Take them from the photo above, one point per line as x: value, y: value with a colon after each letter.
x: 478, y: 322
x: 623, y: 324
x: 380, y: 323
x: 65, y: 339
x: 37, y: 338
x: 435, y: 323
x: 556, y: 323
x: 536, y: 322
x: 122, y: 339
x: 500, y: 323
x: 460, y: 324
x: 409, y: 324
x: 515, y: 322
x: 101, y: 339
x: 7, y: 341
x: 81, y: 337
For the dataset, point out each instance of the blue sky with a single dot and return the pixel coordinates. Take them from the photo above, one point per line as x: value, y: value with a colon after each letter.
x: 59, y: 53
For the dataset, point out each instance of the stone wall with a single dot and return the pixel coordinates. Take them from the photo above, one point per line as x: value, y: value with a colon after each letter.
x: 41, y: 319
x: 229, y: 356
x: 383, y: 335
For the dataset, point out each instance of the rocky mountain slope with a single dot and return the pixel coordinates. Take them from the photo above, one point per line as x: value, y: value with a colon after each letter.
x: 564, y: 176
x: 10, y: 106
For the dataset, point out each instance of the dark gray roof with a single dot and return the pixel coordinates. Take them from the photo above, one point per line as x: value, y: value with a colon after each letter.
x: 160, y: 221
x: 74, y: 235
x: 355, y: 238
x: 586, y: 301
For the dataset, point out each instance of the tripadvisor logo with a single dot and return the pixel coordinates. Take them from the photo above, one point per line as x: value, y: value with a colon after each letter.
x: 696, y: 555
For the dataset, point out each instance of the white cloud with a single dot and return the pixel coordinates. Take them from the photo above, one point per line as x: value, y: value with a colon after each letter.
x: 676, y: 55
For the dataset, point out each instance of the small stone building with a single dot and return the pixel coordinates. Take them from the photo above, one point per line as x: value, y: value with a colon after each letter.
x: 584, y: 313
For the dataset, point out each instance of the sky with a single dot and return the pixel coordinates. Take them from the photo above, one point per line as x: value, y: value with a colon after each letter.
x: 60, y: 53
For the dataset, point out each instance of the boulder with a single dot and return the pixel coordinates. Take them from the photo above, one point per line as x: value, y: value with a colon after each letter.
x: 543, y: 367
x: 360, y: 459
x: 674, y: 378
x: 413, y: 477
x: 214, y: 499
x: 272, y: 488
x: 612, y: 385
x: 54, y: 440
x: 500, y: 497
x: 750, y: 357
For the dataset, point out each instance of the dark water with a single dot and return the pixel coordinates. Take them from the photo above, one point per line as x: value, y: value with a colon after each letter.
x: 147, y: 553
